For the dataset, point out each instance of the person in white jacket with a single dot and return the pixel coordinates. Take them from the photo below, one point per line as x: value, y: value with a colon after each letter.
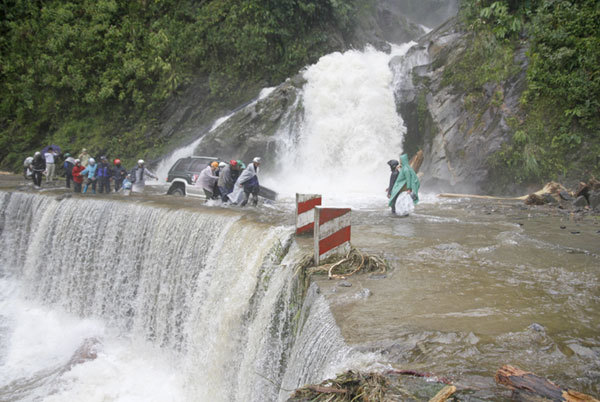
x: 249, y: 181
x: 208, y: 180
x: 138, y: 177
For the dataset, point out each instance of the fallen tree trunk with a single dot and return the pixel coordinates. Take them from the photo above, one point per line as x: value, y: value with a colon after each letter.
x: 417, y: 161
x: 528, y: 386
x: 552, y: 188
x: 481, y: 197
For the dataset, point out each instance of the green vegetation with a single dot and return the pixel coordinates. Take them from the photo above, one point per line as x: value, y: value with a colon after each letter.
x: 557, y: 132
x: 95, y: 73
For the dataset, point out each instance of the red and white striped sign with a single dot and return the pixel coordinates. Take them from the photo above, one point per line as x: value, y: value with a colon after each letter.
x: 305, y: 216
x: 332, y: 232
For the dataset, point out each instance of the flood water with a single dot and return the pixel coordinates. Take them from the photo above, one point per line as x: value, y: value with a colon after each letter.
x: 474, y: 286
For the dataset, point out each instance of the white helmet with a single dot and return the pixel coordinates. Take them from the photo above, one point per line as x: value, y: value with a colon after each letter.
x: 77, y: 161
x: 92, y: 161
x: 256, y: 160
x: 141, y: 162
x: 222, y: 164
x: 37, y: 153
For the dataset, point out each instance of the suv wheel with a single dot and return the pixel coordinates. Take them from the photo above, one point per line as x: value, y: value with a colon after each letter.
x: 178, y: 192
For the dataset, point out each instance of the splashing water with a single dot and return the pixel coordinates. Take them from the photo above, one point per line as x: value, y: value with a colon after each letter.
x: 350, y: 129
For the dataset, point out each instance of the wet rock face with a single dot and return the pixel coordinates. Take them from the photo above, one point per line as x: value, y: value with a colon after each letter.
x: 457, y: 140
x: 251, y: 131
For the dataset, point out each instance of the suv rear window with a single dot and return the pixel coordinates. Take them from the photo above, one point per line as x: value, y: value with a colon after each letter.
x: 180, y: 165
x: 199, y: 164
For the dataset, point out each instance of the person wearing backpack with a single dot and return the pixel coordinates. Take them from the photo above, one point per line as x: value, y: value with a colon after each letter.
x: 104, y: 174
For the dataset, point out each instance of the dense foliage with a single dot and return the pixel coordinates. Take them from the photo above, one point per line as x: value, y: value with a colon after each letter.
x: 94, y: 73
x: 557, y: 133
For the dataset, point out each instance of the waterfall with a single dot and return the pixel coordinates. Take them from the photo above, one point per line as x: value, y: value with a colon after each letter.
x: 350, y: 126
x: 204, y: 305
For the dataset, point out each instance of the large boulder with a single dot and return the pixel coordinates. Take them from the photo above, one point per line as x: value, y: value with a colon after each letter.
x: 251, y: 130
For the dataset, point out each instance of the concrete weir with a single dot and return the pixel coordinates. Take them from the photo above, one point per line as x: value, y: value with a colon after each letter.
x: 213, y: 288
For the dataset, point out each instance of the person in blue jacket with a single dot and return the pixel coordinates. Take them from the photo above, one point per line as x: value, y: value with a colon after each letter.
x: 104, y: 174
x: 90, y: 174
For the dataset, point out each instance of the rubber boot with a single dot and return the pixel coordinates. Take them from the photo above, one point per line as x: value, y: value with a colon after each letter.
x: 85, y: 189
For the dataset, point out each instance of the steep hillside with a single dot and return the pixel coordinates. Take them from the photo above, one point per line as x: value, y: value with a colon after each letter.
x: 507, y: 96
x: 135, y: 78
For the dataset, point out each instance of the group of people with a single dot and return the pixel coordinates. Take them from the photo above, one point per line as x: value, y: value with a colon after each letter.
x: 402, y: 179
x: 85, y: 172
x: 231, y: 182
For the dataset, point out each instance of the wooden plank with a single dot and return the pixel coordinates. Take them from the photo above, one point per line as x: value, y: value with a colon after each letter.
x: 529, y: 383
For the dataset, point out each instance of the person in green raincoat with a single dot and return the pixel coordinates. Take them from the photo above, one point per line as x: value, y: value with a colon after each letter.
x: 407, y: 180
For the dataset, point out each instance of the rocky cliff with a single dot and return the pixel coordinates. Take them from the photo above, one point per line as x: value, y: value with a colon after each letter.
x: 459, y: 132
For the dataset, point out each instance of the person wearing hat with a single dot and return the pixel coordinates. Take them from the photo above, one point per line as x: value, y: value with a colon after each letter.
x: 227, y: 177
x: 104, y: 175
x: 249, y: 181
x: 77, y: 177
x: 138, y: 177
x: 68, y: 166
x: 84, y: 157
x: 119, y: 174
x: 406, y: 180
x: 393, y: 164
x: 208, y: 180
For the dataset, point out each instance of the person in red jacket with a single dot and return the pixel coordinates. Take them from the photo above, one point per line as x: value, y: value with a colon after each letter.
x: 77, y: 178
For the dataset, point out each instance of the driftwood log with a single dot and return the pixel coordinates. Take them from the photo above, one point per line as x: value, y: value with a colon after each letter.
x: 444, y: 394
x: 417, y: 161
x: 530, y: 387
x: 552, y: 188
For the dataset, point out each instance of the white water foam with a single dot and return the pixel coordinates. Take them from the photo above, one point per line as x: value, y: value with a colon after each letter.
x: 350, y: 128
x: 186, y: 306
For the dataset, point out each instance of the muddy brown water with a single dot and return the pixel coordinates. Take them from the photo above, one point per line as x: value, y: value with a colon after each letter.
x: 474, y: 286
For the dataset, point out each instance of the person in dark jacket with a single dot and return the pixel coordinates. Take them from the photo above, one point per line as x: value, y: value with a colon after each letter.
x: 104, y: 174
x: 393, y: 163
x: 119, y: 174
x: 227, y: 180
x: 77, y: 177
x: 37, y: 167
x: 68, y: 166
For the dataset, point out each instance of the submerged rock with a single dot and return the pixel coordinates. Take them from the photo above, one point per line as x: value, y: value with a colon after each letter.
x: 595, y: 200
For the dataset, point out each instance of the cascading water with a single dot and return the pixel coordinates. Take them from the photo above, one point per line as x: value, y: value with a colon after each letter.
x: 200, y: 303
x: 350, y: 128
